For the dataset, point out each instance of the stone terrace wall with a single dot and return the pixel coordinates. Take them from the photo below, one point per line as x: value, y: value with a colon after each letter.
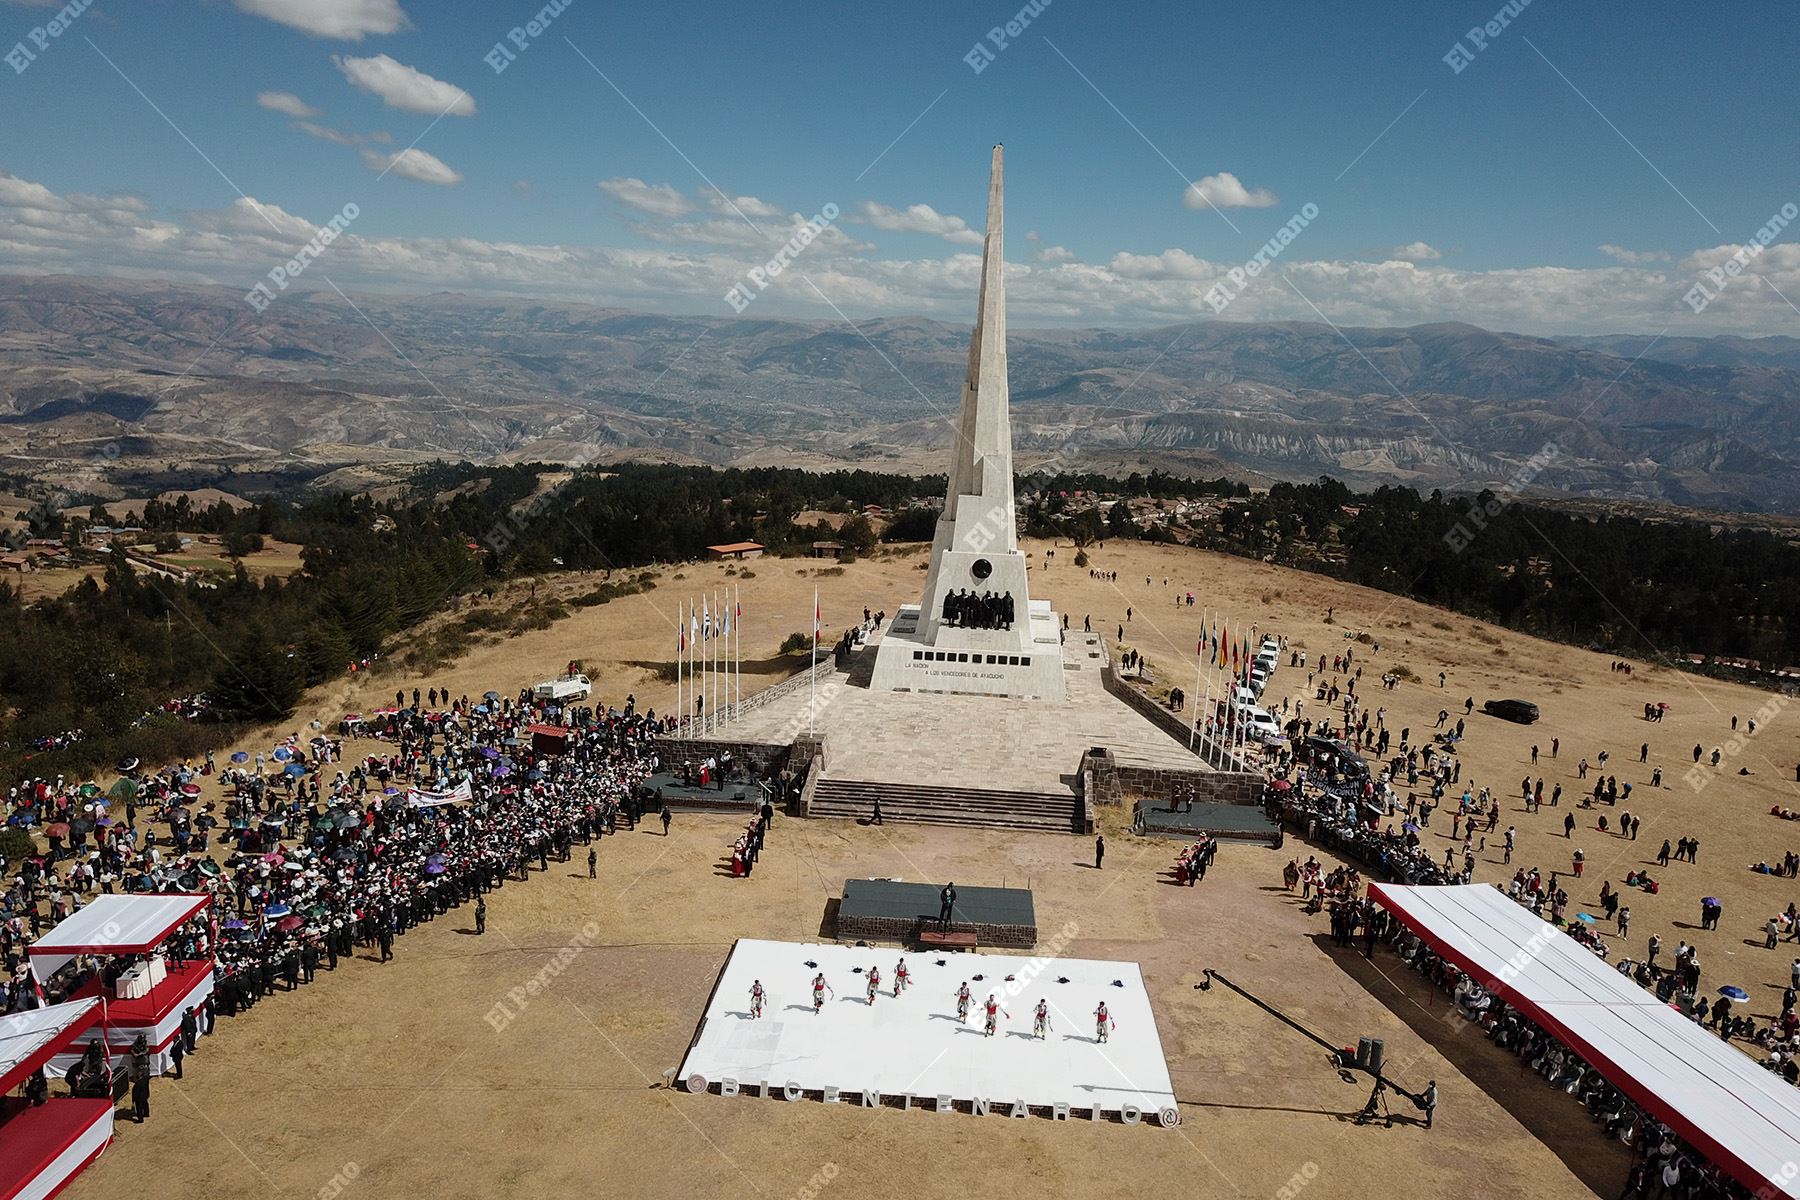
x: 906, y: 930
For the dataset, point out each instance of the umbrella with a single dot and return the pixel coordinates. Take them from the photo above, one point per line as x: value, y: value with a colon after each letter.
x: 277, y: 909
x: 103, y: 822
x: 501, y: 770
x: 348, y: 821
x: 1411, y: 826
x: 128, y: 763
x: 239, y: 756
x: 1712, y: 900
x: 490, y: 752
x: 57, y: 829
x: 90, y: 789
x: 1281, y: 785
x: 490, y: 695
x: 123, y: 790
x: 295, y: 769
x: 293, y: 866
x: 481, y: 708
x: 282, y: 754
x: 234, y: 923
x: 209, y: 868
x: 434, y: 868
x: 1588, y: 918
x: 190, y: 789
x: 188, y: 881
x: 289, y: 924
x: 1733, y: 992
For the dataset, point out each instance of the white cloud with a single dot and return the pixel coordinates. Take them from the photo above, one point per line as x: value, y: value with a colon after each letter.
x: 1415, y: 252
x: 749, y: 206
x: 337, y: 136
x: 1634, y: 257
x: 523, y: 187
x: 346, y: 19
x: 286, y: 102
x: 44, y: 232
x: 657, y: 199
x: 1224, y: 191
x: 920, y: 218
x: 405, y: 87
x: 412, y: 163
x: 1054, y: 254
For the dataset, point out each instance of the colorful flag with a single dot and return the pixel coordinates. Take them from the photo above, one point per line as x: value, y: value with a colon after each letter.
x: 818, y: 617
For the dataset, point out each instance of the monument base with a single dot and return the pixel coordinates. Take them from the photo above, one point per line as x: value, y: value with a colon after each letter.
x: 982, y: 662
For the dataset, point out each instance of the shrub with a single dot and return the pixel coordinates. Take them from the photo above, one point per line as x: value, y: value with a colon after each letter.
x: 16, y: 844
x: 796, y: 643
x: 1081, y: 558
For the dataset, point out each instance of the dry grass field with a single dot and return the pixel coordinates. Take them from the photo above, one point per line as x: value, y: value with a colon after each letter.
x: 393, y: 1080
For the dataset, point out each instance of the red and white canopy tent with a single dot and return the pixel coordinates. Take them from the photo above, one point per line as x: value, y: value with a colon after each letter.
x: 1743, y: 1118
x: 42, y: 1148
x: 114, y: 925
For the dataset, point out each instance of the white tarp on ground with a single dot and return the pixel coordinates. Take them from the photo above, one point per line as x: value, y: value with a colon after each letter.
x: 913, y: 1045
x: 25, y: 1035
x: 1746, y: 1119
x: 112, y: 925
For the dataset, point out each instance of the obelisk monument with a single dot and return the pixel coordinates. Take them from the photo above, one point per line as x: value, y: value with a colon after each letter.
x: 976, y: 628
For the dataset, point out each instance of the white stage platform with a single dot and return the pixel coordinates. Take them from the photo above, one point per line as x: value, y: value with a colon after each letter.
x: 910, y: 1051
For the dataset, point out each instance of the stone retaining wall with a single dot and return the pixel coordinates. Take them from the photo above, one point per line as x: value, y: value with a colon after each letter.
x: 905, y: 930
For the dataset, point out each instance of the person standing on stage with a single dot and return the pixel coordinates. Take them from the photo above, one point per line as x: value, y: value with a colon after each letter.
x: 962, y: 1002
x: 1103, y: 1023
x: 902, y: 977
x: 993, y: 1015
x: 1040, y: 1020
x: 946, y: 904
x: 756, y: 999
x: 874, y: 983
x: 820, y: 987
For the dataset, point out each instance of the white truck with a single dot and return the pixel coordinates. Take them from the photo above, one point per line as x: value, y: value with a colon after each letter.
x: 569, y: 687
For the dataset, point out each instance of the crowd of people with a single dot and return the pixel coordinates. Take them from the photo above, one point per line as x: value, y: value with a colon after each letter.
x: 315, y: 858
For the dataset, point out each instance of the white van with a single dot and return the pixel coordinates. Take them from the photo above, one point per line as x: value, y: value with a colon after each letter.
x: 570, y: 687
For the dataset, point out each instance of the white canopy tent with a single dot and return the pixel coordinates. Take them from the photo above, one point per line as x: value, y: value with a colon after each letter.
x: 29, y: 1039
x: 113, y: 925
x: 1744, y: 1118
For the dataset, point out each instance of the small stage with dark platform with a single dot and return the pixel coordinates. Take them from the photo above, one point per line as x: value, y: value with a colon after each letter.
x: 738, y: 795
x: 890, y: 911
x: 1241, y: 822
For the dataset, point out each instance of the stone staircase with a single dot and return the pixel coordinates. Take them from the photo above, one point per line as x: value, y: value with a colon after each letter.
x: 983, y: 808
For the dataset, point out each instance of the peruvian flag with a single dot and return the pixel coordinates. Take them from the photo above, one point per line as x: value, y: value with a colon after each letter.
x: 818, y: 617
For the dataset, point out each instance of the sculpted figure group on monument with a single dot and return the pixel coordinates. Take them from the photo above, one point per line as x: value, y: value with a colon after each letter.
x: 985, y: 611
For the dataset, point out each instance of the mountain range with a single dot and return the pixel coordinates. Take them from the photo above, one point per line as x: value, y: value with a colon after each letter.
x: 103, y: 378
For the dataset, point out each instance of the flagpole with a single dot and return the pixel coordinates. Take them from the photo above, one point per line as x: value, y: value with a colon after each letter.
x: 737, y: 630
x: 680, y: 641
x: 812, y: 686
x: 1198, y: 686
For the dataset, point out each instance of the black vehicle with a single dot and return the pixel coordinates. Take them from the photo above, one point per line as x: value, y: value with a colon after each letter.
x: 1316, y: 747
x: 1522, y: 711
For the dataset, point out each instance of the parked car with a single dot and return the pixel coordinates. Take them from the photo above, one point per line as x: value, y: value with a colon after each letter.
x: 1522, y: 711
x: 1315, y: 746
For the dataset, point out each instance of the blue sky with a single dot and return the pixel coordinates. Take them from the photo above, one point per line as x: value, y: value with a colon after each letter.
x: 1580, y: 173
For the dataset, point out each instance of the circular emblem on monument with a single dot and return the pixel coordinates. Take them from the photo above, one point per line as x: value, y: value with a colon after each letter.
x: 982, y: 568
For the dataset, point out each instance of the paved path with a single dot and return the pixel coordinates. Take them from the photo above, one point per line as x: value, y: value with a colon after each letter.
x: 969, y: 741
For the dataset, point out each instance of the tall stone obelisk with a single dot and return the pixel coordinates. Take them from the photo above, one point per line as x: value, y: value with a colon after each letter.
x: 976, y: 628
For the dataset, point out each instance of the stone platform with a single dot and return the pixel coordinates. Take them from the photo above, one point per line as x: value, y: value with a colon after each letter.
x: 967, y: 741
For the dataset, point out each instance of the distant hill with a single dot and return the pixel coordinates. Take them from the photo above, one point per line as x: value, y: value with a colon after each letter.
x: 97, y: 377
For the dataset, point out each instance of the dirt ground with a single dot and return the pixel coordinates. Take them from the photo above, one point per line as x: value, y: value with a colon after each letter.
x: 404, y: 1079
